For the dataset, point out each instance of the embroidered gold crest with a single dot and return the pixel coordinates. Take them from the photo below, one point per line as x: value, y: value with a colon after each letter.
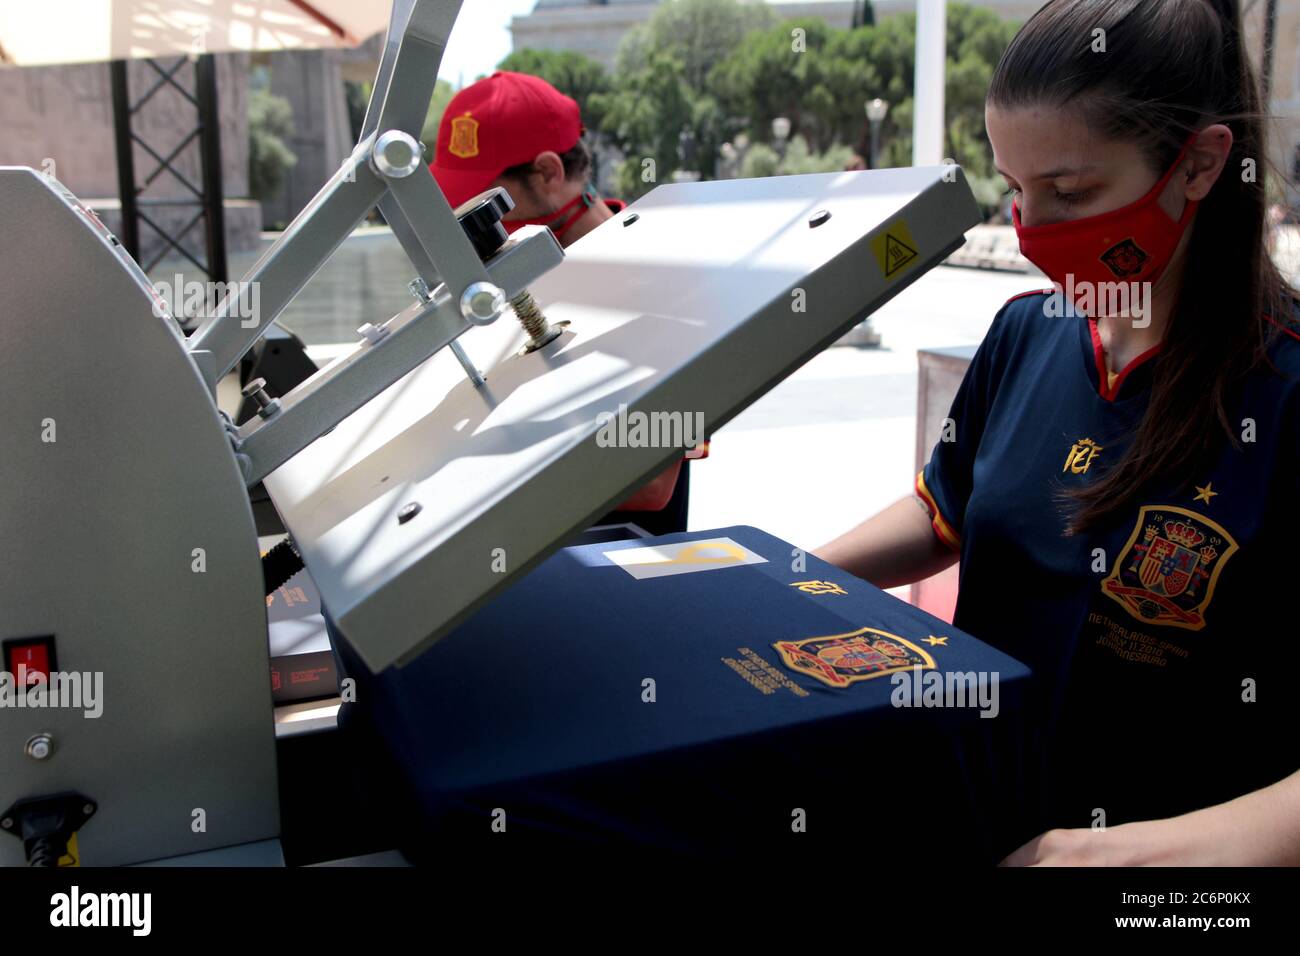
x: 464, y: 137
x: 840, y: 659
x: 1167, y: 571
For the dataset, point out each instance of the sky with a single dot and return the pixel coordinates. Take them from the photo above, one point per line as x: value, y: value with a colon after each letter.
x: 481, y: 38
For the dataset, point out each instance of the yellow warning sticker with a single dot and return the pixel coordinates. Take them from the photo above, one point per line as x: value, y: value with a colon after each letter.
x: 73, y: 856
x: 895, y: 249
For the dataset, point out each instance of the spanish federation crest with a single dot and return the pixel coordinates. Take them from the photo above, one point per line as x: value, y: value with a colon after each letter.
x: 1125, y: 258
x: 464, y: 137
x: 1167, y: 571
x: 840, y: 659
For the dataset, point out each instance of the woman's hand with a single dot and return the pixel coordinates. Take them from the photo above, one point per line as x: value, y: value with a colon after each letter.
x: 1261, y: 828
x: 1149, y: 843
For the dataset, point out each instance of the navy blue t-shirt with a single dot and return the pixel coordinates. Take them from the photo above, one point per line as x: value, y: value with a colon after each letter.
x: 1163, y: 645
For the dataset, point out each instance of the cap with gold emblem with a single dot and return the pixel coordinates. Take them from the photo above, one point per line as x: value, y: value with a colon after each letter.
x: 500, y: 121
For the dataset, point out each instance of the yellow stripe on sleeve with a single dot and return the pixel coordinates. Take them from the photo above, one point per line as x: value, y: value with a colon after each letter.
x: 940, y: 524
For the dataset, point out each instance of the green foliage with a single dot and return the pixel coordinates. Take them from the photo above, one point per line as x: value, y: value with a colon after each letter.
x: 357, y: 97
x: 270, y: 123
x: 780, y: 71
x: 763, y: 160
x: 711, y: 69
x: 442, y: 94
x: 988, y: 191
x: 571, y: 73
x: 976, y: 39
x: 699, y: 33
x: 760, y: 160
x: 660, y: 89
x: 823, y: 82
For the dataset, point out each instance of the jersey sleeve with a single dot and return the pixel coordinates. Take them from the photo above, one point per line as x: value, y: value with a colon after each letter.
x: 946, y: 481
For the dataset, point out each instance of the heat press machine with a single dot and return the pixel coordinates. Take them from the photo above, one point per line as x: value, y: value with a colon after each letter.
x: 424, y: 477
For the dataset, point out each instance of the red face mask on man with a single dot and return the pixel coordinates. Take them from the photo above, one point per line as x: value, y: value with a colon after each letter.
x: 562, y: 219
x: 1134, y: 243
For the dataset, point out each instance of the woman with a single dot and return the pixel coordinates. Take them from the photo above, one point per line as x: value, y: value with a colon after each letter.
x: 1120, y: 480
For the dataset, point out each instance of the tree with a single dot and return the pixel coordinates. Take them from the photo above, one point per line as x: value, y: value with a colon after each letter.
x: 821, y: 79
x: 763, y: 160
x: 571, y: 73
x: 789, y: 70
x: 442, y: 94
x: 660, y: 92
x: 700, y: 71
x: 700, y: 33
x: 976, y: 40
x: 270, y: 123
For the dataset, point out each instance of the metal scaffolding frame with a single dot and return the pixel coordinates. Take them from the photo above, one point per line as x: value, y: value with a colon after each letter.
x: 207, y: 194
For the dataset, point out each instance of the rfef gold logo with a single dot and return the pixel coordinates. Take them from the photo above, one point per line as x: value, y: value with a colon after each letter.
x: 464, y: 137
x: 1081, y: 455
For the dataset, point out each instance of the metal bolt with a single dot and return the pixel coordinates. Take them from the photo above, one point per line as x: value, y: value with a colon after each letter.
x: 420, y: 289
x: 534, y: 322
x: 474, y: 374
x: 408, y: 512
x: 396, y: 154
x: 39, y: 746
x: 266, y: 405
x: 482, y: 303
x: 7, y: 823
x: 373, y: 334
x: 819, y: 217
x: 256, y: 390
x: 88, y: 809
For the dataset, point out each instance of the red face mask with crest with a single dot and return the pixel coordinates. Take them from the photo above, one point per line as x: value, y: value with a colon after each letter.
x: 1134, y: 243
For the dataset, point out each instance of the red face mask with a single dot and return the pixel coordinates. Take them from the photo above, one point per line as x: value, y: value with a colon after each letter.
x: 1134, y: 243
x: 562, y: 218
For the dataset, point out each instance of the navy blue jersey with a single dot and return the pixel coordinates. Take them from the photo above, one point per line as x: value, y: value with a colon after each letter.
x: 1163, y: 644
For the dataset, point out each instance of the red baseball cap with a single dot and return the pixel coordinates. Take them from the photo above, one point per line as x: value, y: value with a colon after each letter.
x: 501, y: 121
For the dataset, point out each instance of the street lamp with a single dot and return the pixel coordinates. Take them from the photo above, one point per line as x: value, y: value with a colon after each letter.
x: 686, y: 148
x: 876, y: 112
x: 781, y: 133
x: 863, y: 334
x: 730, y: 160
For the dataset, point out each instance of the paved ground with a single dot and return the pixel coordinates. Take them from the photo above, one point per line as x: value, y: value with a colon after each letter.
x: 835, y: 442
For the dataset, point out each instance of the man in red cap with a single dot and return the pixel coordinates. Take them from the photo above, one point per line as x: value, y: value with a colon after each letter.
x: 518, y: 131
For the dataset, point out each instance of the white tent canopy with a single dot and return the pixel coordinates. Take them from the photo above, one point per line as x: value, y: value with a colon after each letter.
x: 76, y: 31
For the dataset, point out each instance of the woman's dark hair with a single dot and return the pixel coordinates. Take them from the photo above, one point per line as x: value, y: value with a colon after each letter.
x: 1169, y: 67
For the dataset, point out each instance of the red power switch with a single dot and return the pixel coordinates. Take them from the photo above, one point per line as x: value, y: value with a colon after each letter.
x: 35, y: 655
